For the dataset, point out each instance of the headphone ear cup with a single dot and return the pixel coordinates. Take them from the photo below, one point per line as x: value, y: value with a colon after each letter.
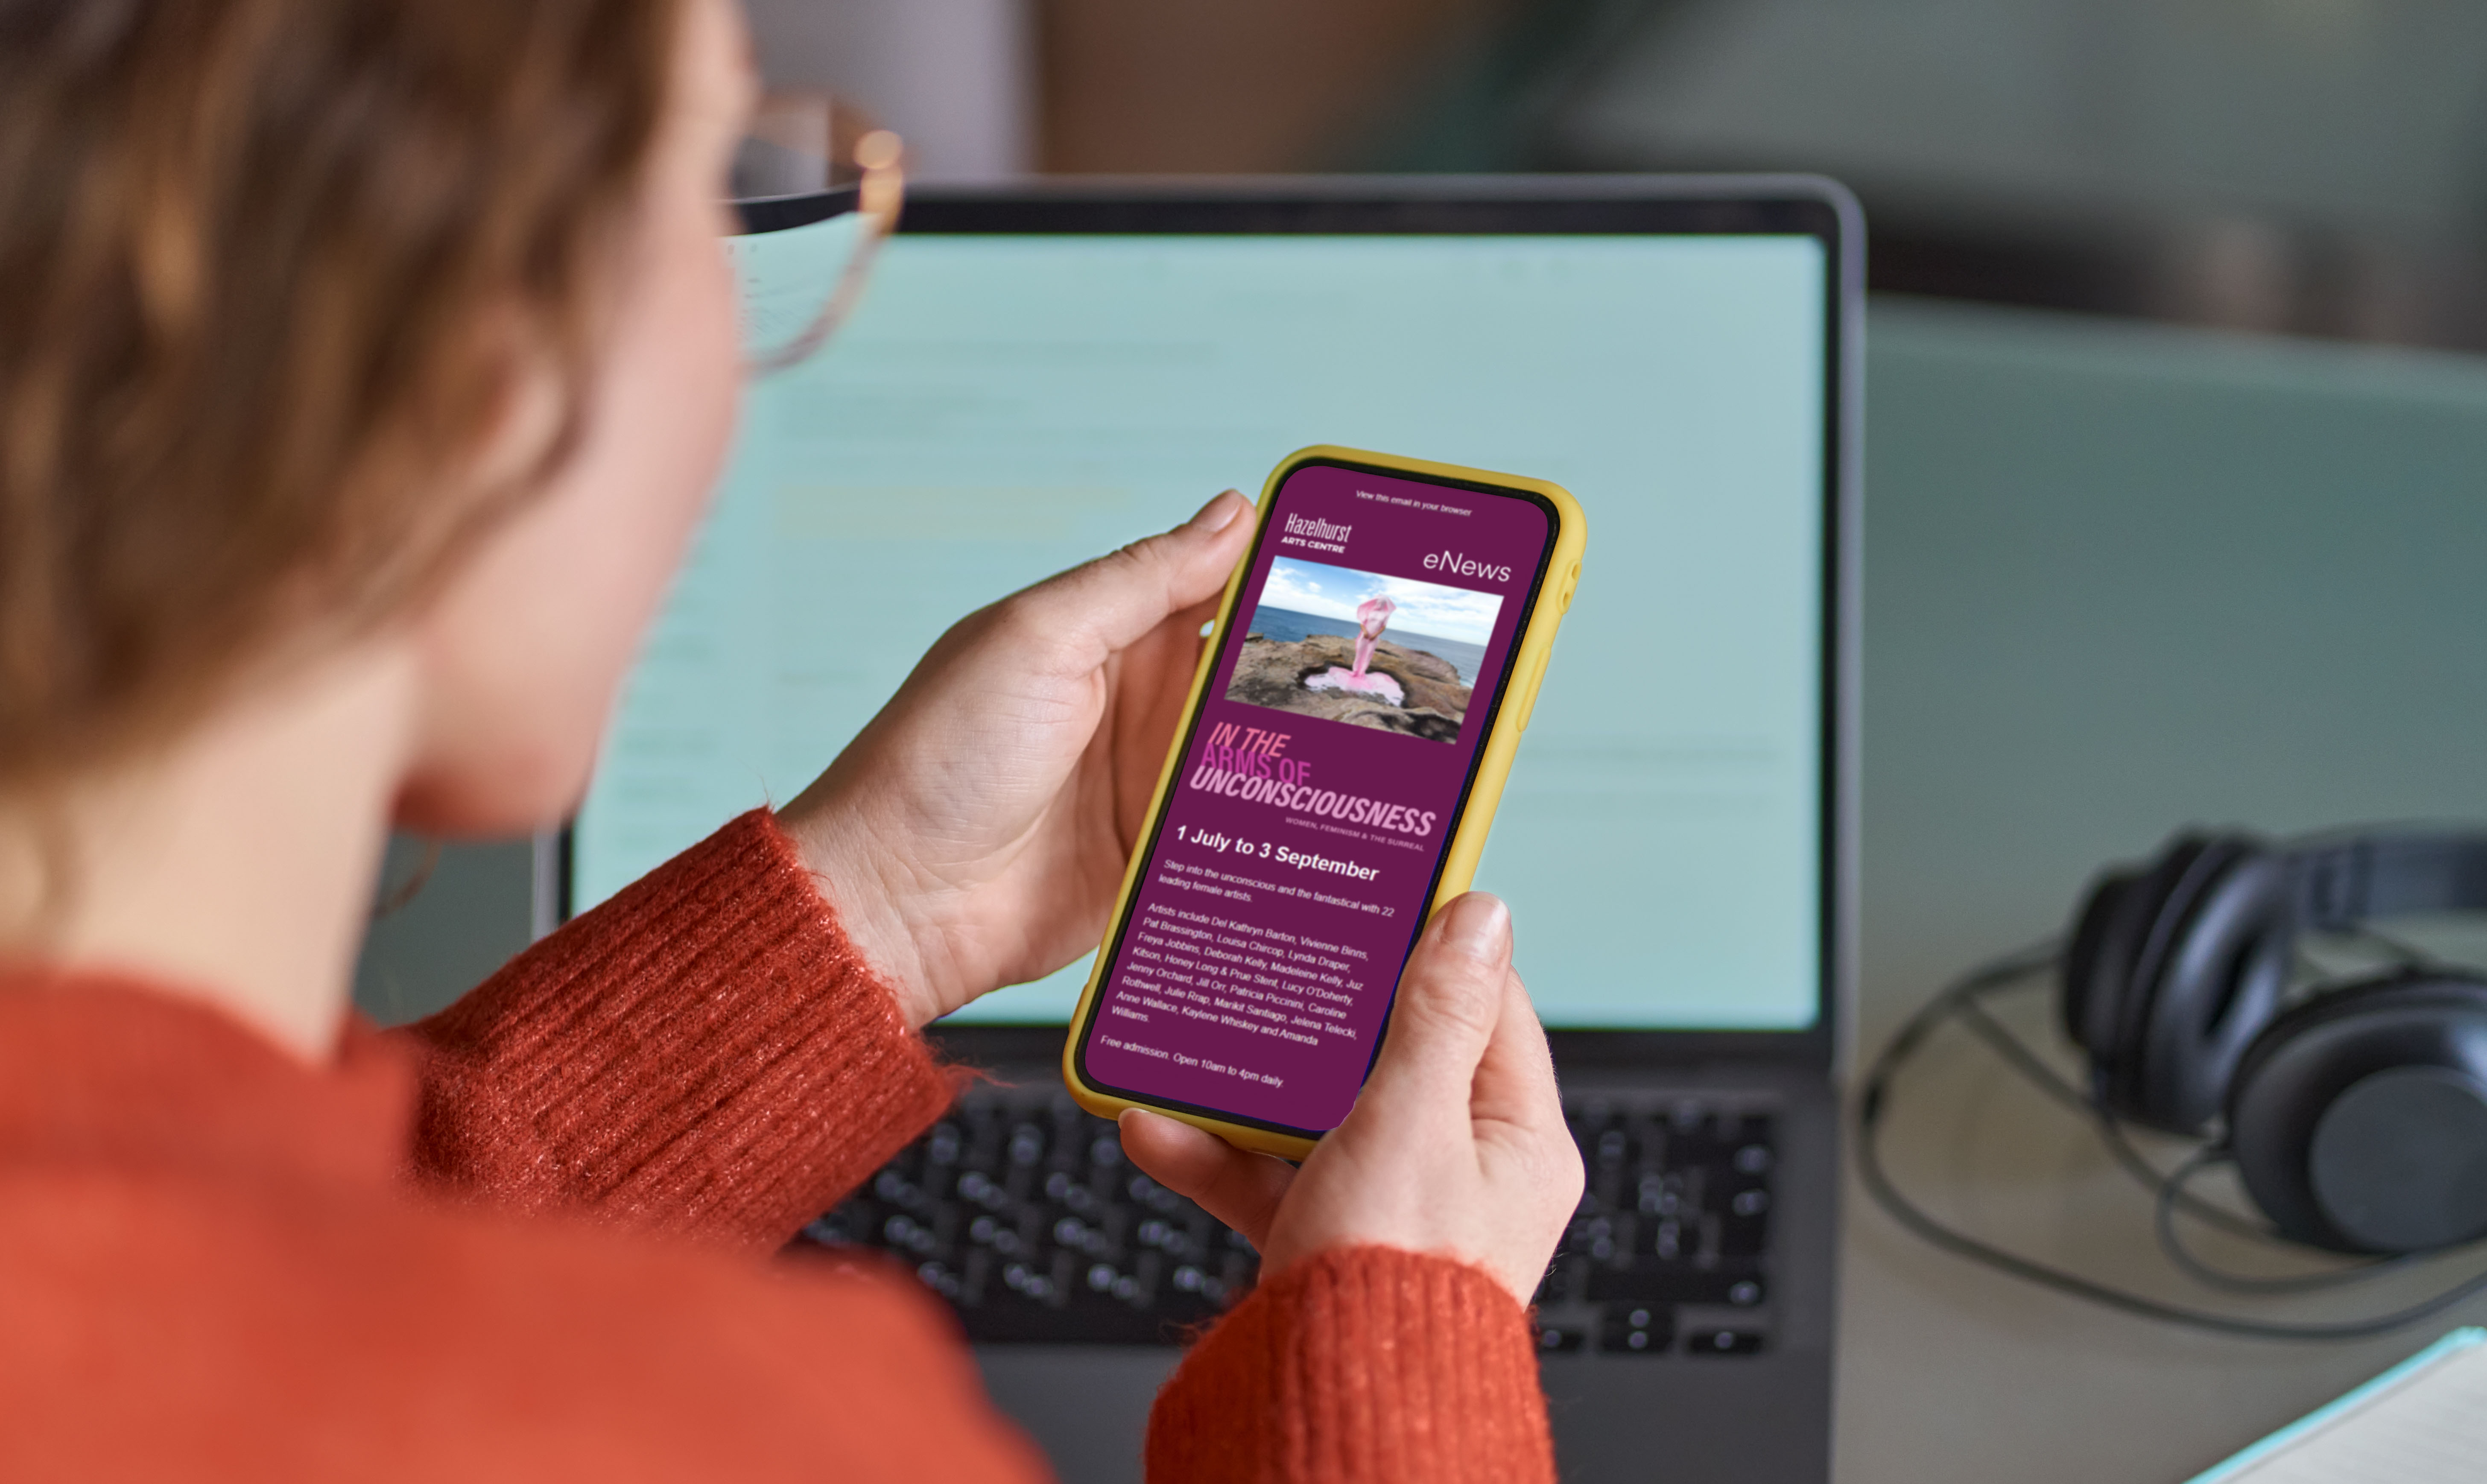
x: 2134, y: 946
x: 2086, y: 973
x: 2215, y: 983
x: 2358, y: 1119
x: 2114, y: 923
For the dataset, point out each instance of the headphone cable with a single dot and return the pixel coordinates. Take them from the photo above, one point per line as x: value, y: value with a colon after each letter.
x: 1874, y: 1096
x: 1972, y: 1013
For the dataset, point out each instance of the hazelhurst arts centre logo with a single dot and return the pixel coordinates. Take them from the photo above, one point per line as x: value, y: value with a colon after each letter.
x: 1312, y: 533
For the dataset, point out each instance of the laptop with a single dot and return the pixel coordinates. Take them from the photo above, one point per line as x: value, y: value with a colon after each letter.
x: 1038, y: 376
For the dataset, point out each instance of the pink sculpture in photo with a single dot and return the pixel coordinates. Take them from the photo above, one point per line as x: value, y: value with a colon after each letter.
x: 1372, y: 616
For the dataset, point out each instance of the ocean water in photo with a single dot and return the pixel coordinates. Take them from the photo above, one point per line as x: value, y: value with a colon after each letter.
x: 1287, y: 626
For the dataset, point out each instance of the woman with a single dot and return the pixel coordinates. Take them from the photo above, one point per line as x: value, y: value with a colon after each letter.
x: 362, y: 368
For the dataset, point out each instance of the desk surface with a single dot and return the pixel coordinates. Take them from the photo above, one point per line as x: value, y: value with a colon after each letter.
x: 2118, y: 579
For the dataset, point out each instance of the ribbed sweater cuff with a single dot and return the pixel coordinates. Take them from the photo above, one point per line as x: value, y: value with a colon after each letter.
x: 705, y: 1053
x: 1367, y: 1363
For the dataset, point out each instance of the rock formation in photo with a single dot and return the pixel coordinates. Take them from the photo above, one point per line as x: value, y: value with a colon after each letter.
x: 1273, y: 673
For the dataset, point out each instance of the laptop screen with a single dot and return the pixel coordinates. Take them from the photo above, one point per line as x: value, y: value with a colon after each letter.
x: 1005, y: 404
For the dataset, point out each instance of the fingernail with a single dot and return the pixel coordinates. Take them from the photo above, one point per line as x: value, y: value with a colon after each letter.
x: 1476, y: 924
x: 1220, y: 513
x: 1132, y: 1118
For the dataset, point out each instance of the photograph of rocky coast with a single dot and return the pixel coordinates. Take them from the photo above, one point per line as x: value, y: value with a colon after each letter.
x: 1416, y: 692
x: 1394, y: 653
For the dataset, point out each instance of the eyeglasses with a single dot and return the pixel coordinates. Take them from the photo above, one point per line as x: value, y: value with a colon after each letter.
x: 816, y: 189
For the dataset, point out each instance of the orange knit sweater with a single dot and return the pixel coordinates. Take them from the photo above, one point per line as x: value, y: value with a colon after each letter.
x: 529, y: 1241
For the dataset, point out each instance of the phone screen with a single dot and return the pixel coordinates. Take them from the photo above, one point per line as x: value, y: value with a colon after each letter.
x: 1318, y: 786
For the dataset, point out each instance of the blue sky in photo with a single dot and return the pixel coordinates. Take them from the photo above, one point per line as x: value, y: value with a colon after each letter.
x: 1424, y: 607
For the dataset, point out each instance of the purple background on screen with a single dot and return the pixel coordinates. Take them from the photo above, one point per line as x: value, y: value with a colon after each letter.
x: 1235, y: 987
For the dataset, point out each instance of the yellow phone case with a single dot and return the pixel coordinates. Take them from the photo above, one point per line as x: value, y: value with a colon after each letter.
x: 1468, y: 838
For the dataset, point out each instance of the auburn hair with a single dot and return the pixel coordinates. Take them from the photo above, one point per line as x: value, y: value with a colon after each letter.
x: 272, y: 273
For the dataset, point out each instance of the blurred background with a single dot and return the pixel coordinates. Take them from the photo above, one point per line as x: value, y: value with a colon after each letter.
x: 2309, y: 166
x: 2222, y: 262
x: 2174, y: 438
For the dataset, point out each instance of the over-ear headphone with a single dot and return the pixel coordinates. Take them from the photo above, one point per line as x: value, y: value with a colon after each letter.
x: 2357, y: 1116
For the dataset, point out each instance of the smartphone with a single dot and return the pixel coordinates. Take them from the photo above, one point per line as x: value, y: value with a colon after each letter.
x: 1358, y: 706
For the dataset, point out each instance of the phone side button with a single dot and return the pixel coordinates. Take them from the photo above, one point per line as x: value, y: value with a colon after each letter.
x: 1528, y: 697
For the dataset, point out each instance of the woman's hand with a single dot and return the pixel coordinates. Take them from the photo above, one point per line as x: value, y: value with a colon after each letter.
x: 1456, y: 1145
x: 974, y: 834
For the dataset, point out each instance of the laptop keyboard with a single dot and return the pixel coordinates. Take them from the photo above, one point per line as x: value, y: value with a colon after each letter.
x: 1670, y: 1244
x: 1021, y: 1210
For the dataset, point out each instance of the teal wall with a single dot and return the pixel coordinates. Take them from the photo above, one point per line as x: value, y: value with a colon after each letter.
x: 2120, y: 578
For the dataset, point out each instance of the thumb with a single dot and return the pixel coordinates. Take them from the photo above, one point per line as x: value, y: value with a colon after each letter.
x: 1110, y: 603
x: 1450, y: 996
x: 1236, y: 1186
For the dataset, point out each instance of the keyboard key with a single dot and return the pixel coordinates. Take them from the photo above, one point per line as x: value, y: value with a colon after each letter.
x: 1687, y: 1239
x: 1637, y: 1329
x: 1668, y: 1197
x: 1555, y: 1338
x: 1722, y: 1342
x: 1655, y: 1282
x: 1744, y: 1237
